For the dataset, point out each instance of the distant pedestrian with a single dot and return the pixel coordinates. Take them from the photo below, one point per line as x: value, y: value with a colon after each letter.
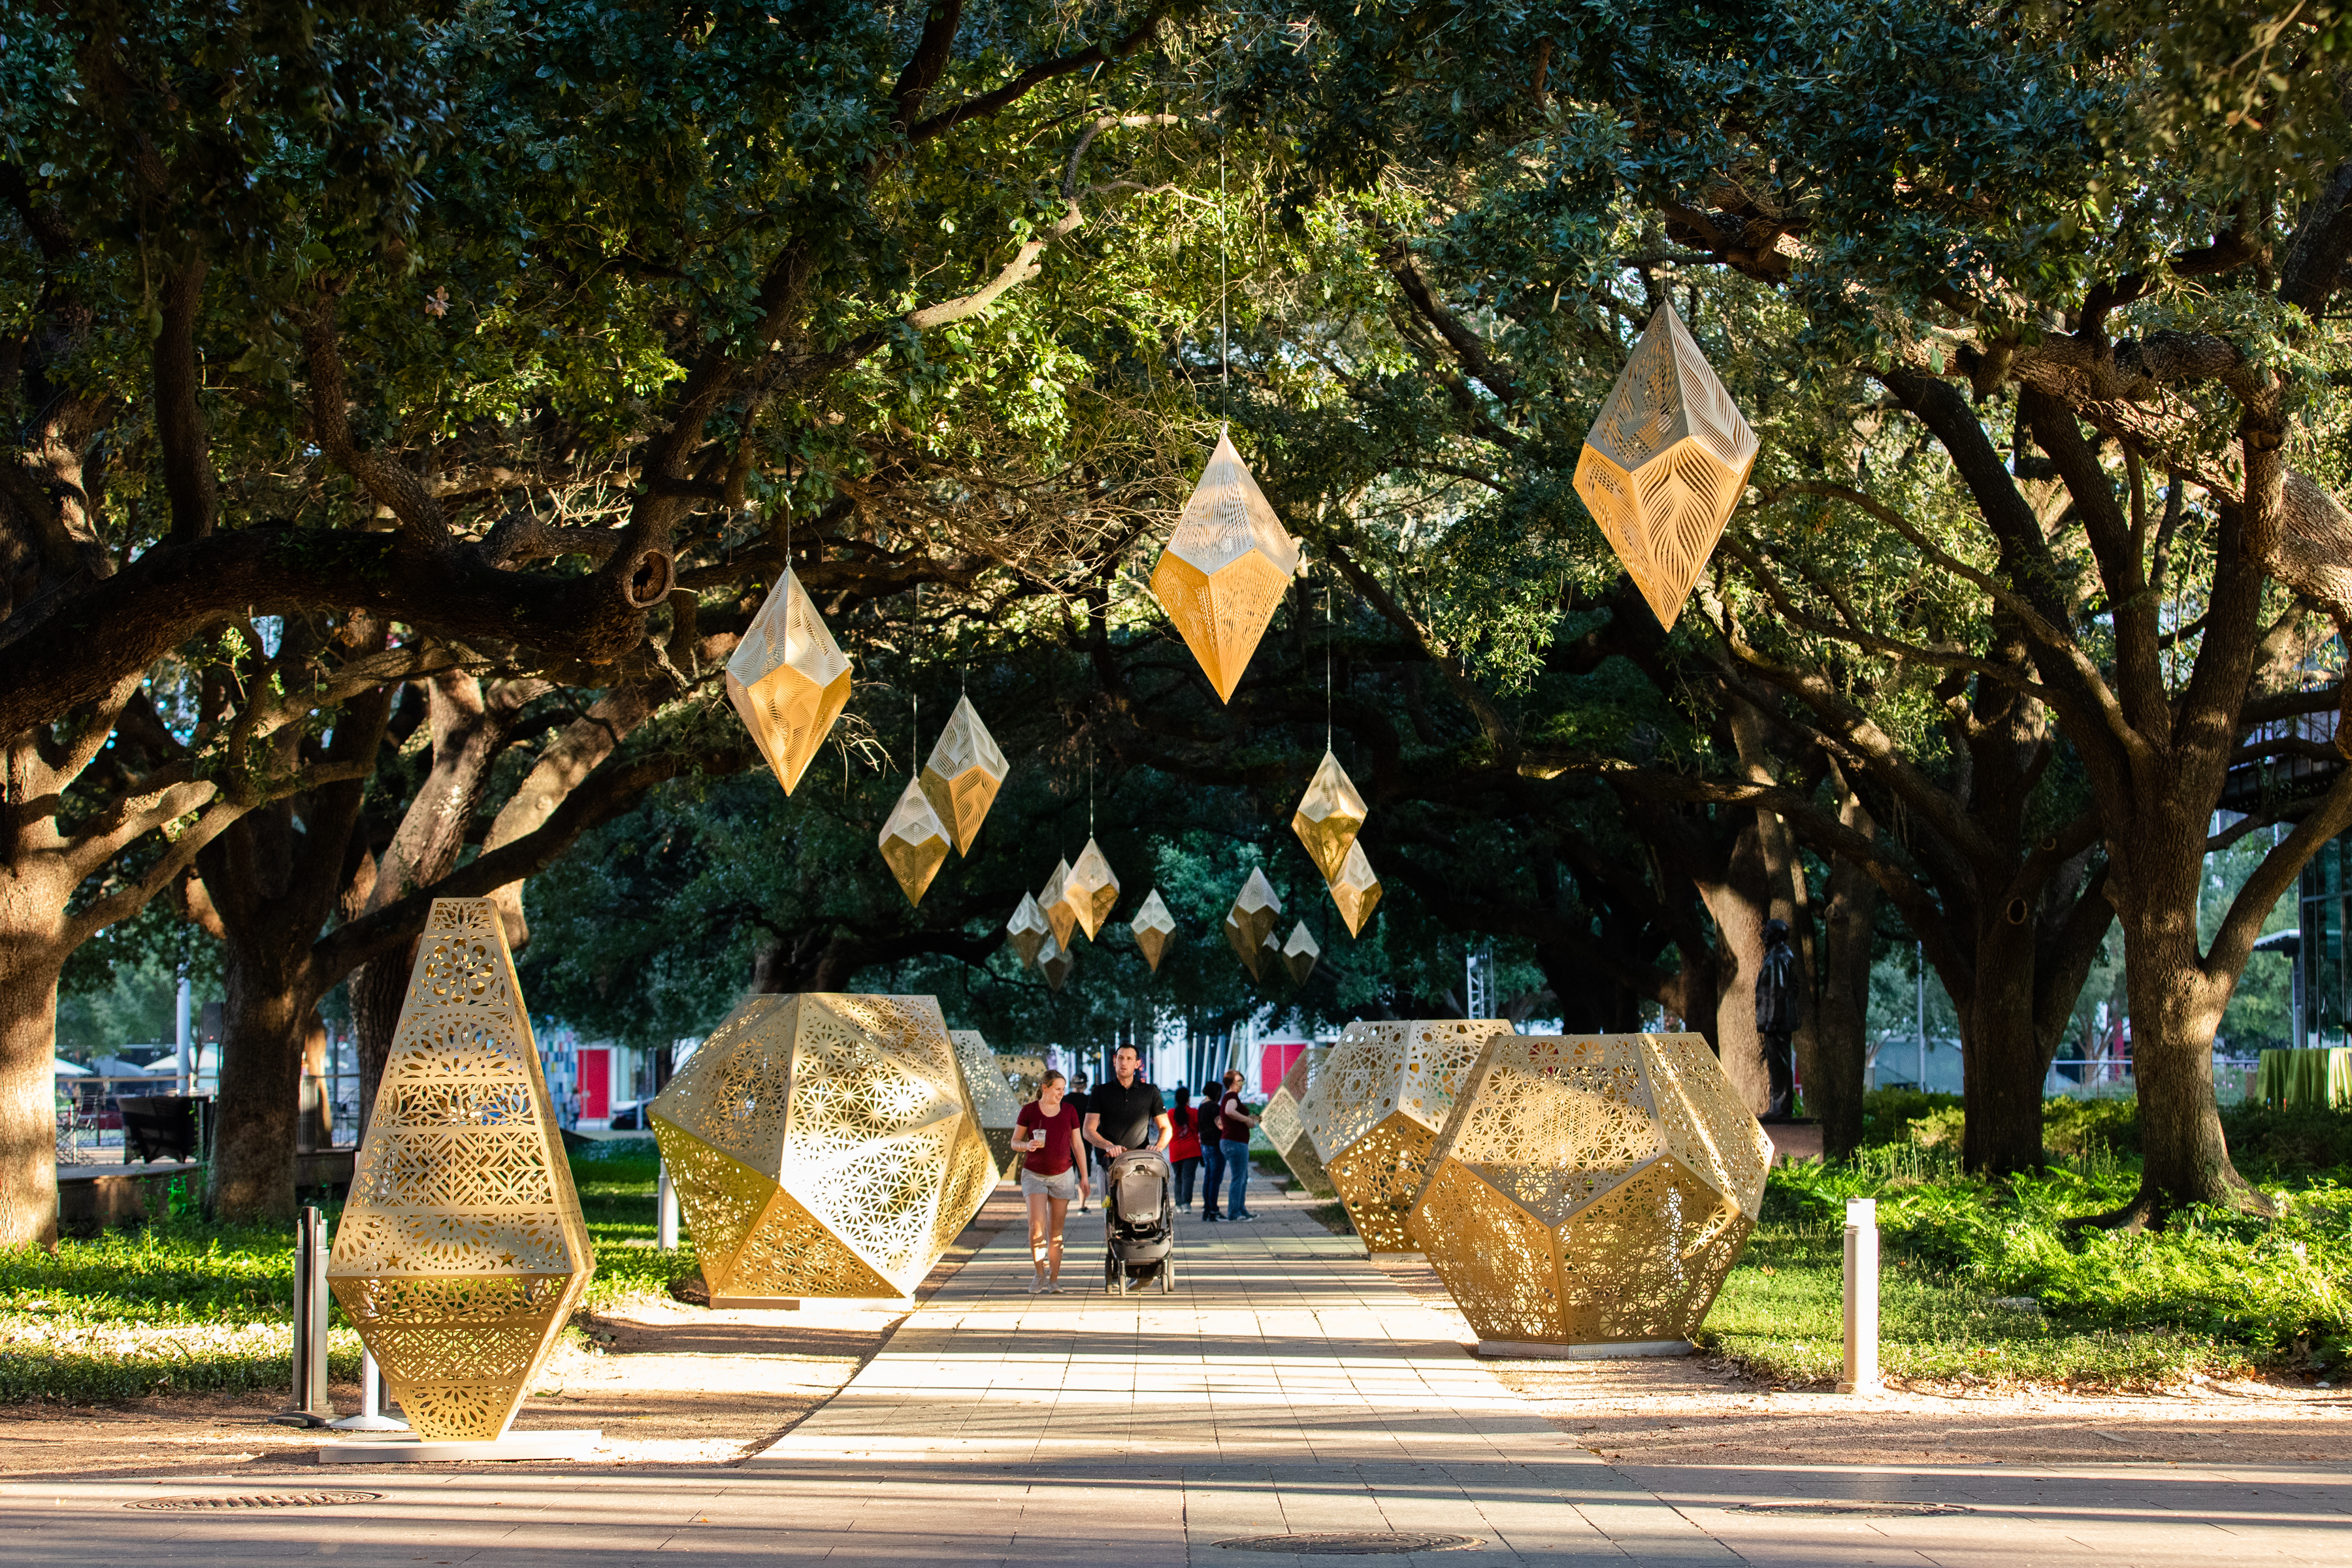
x: 1780, y: 1009
x: 1047, y: 1136
x: 1077, y: 1100
x: 1212, y: 1152
x: 1184, y: 1150
x: 1235, y: 1123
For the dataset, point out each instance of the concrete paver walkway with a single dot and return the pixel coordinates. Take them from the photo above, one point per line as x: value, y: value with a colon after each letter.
x: 1285, y: 1387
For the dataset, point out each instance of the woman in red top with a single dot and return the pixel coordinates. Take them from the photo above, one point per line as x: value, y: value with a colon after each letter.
x: 1184, y: 1148
x: 1053, y: 1172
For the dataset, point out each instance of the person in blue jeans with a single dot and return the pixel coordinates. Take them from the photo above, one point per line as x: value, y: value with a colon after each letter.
x: 1212, y: 1152
x: 1234, y: 1117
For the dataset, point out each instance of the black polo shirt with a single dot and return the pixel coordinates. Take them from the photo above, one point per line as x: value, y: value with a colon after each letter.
x: 1127, y: 1113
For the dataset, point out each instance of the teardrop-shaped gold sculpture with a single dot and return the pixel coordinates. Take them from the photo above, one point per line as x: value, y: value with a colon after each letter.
x: 1299, y: 954
x: 1054, y: 961
x: 1026, y: 933
x: 1052, y: 903
x: 1665, y: 464
x: 1225, y: 569
x: 1092, y: 889
x: 1253, y: 916
x: 789, y: 681
x: 1355, y: 889
x: 1329, y: 815
x: 914, y: 842
x: 1238, y: 936
x: 963, y: 773
x: 1153, y: 927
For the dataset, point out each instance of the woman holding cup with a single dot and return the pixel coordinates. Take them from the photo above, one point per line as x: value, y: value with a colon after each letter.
x: 1053, y: 1174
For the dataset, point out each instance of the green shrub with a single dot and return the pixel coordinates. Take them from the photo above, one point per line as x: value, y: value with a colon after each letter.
x: 2266, y: 1144
x: 1887, y: 1113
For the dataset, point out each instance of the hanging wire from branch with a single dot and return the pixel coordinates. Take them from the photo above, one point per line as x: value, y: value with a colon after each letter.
x: 1224, y: 314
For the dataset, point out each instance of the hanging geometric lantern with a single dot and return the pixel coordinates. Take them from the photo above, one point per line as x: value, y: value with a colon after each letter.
x: 1225, y: 569
x: 1355, y: 889
x: 1153, y: 927
x: 1248, y: 951
x: 789, y: 681
x: 1665, y: 463
x: 1054, y: 906
x: 963, y: 773
x: 1329, y: 816
x: 1028, y: 931
x: 1091, y: 889
x: 1299, y: 954
x: 914, y: 842
x: 1253, y: 915
x: 1054, y: 961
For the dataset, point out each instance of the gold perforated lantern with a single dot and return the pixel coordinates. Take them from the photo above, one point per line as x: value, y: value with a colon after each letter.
x: 789, y: 681
x: 1250, y: 953
x: 1299, y: 954
x: 1591, y: 1189
x: 1287, y: 1130
x: 461, y: 1251
x: 1053, y: 903
x: 995, y: 1106
x: 914, y: 843
x: 1153, y: 927
x: 823, y: 1145
x: 1665, y: 464
x: 962, y: 775
x: 1091, y: 889
x: 1054, y: 961
x: 1329, y: 816
x: 1027, y: 932
x: 1374, y: 1107
x: 1225, y: 569
x: 1254, y: 912
x: 1355, y: 889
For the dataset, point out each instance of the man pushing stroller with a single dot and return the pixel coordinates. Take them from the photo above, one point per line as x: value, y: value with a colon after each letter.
x: 1121, y: 1114
x: 1138, y: 1218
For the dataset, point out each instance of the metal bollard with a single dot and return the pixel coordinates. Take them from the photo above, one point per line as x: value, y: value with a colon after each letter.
x: 370, y: 1417
x: 1861, y: 1297
x: 665, y: 1221
x: 310, y: 1406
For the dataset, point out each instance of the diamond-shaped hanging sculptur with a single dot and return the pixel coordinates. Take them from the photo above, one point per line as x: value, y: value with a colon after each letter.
x: 962, y: 775
x: 1092, y: 889
x: 914, y: 842
x: 1248, y: 951
x: 1299, y: 954
x: 1226, y: 568
x: 789, y: 681
x: 1054, y: 961
x: 1053, y: 903
x: 1329, y: 818
x: 1154, y: 927
x: 1028, y: 931
x: 1355, y: 889
x: 1252, y: 919
x: 1665, y: 464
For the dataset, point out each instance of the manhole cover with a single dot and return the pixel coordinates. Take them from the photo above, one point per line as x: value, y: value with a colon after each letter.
x: 1855, y: 1509
x: 1352, y: 1544
x: 262, y: 1500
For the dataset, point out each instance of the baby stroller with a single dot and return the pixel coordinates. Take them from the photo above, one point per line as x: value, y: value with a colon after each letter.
x: 1139, y: 1223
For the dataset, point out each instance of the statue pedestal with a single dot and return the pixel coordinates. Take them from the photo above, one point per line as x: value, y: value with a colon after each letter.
x: 1531, y: 1350
x: 406, y: 1450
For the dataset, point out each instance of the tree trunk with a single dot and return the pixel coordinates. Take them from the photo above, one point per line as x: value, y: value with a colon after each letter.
x: 29, y: 1037
x: 2000, y: 1064
x: 260, y: 1087
x: 1841, y: 1039
x: 1740, y: 905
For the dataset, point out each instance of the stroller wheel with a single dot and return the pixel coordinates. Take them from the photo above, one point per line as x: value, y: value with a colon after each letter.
x: 1167, y: 1277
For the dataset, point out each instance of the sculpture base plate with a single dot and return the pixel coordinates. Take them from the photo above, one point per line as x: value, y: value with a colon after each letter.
x: 575, y: 1444
x: 1530, y: 1350
x: 755, y: 1303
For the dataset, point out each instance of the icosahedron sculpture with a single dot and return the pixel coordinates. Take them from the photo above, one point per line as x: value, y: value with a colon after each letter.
x: 1238, y: 936
x: 1665, y: 464
x: 1355, y: 889
x: 995, y: 1109
x: 1026, y: 933
x: 914, y: 842
x: 962, y: 775
x: 1053, y: 903
x: 1288, y: 1132
x: 1225, y: 569
x: 1269, y: 957
x: 1592, y: 1189
x: 1254, y: 911
x: 1299, y: 954
x: 823, y: 1145
x: 1091, y: 889
x: 789, y: 681
x: 1153, y: 927
x: 1373, y: 1109
x: 1054, y: 961
x: 1329, y: 818
x: 461, y: 1251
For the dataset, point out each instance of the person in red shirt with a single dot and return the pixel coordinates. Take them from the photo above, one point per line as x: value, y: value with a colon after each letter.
x: 1046, y: 1136
x: 1184, y: 1148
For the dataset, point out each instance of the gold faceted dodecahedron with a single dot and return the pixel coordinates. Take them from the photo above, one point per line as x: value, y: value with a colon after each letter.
x: 1091, y: 889
x: 1355, y: 889
x: 1154, y: 927
x: 461, y: 1251
x: 1299, y: 954
x: 1329, y: 816
x: 1287, y: 1130
x: 1054, y: 961
x: 1665, y: 466
x: 1225, y: 569
x: 1254, y: 911
x: 914, y: 843
x: 823, y: 1145
x: 789, y: 681
x: 1024, y: 1072
x: 962, y: 775
x: 1592, y: 1189
x: 1373, y: 1109
x: 1248, y: 951
x: 993, y: 1104
x: 1053, y: 903
x: 1027, y: 931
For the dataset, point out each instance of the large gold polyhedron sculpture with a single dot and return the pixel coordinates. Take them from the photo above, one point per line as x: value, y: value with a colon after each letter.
x: 1253, y: 915
x: 914, y: 843
x: 1329, y: 818
x: 1356, y: 890
x: 1053, y: 903
x: 461, y: 1250
x: 1238, y: 936
x: 789, y: 681
x: 1225, y: 569
x: 963, y: 773
x: 822, y: 1145
x: 1154, y: 927
x: 1028, y: 931
x: 1373, y: 1110
x: 1591, y: 1189
x: 1299, y: 954
x: 995, y: 1106
x: 1091, y: 889
x: 1287, y: 1130
x: 1665, y: 464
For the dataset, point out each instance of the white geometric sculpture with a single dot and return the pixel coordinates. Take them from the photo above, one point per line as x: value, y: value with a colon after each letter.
x: 789, y: 681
